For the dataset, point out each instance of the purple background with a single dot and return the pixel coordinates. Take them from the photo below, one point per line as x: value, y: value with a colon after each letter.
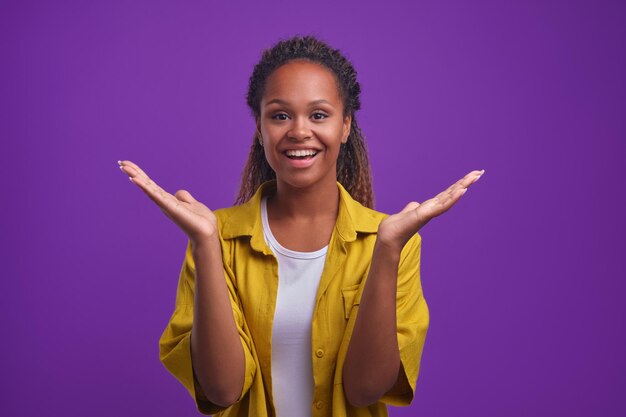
x: 521, y: 277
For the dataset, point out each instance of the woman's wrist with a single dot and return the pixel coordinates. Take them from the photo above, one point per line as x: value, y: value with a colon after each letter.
x: 388, y: 247
x: 209, y: 243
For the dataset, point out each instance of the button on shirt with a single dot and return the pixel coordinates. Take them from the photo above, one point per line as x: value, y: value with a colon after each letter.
x: 251, y: 274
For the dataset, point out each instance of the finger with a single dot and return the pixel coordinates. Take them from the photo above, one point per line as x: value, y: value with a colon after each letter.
x: 139, y: 177
x: 443, y: 201
x: 463, y: 183
x: 174, y: 208
x: 185, y: 196
x: 154, y: 191
x: 436, y: 206
x: 411, y: 206
x: 127, y: 163
x: 470, y: 178
x: 133, y: 169
x: 166, y: 201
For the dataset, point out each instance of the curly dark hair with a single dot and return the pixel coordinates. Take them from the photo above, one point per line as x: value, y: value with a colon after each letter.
x: 353, y: 168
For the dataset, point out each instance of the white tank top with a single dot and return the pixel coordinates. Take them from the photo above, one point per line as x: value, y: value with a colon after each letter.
x: 299, y: 275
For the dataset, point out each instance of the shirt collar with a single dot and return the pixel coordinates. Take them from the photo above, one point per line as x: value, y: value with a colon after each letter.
x: 352, y: 217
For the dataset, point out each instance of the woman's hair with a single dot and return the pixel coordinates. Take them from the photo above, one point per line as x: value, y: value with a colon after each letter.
x: 353, y: 168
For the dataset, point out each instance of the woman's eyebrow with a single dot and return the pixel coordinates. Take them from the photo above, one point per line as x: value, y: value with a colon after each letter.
x: 286, y: 103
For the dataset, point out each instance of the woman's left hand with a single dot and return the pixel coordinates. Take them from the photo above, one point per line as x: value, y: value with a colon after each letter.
x: 396, y: 230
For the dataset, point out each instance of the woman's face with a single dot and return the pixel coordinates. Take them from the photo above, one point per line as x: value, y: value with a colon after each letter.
x: 302, y: 111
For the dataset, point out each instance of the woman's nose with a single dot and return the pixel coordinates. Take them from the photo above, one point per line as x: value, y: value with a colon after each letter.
x: 300, y: 129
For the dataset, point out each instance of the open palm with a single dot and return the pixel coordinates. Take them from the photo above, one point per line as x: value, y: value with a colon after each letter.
x: 193, y: 217
x: 398, y: 228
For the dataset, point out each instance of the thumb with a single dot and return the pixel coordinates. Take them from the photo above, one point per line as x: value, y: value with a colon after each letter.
x: 411, y: 206
x: 184, y: 195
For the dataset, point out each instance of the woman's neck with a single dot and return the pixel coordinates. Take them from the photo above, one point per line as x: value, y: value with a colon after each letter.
x: 320, y: 200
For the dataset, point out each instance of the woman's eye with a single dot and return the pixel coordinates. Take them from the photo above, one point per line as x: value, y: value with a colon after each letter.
x: 319, y: 116
x: 280, y: 116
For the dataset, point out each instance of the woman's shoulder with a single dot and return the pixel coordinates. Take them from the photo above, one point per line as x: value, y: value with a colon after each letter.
x: 368, y: 215
x: 238, y: 220
x: 245, y: 214
x: 225, y: 213
x: 363, y: 217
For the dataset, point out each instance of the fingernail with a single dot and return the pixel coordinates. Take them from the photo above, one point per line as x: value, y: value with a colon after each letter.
x: 463, y: 191
x: 477, y: 178
x: 121, y: 167
x: 131, y: 179
x: 119, y: 163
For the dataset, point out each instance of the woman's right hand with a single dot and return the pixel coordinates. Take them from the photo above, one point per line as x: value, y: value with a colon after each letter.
x: 193, y: 217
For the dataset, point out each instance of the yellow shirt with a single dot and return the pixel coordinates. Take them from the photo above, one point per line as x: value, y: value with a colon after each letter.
x: 251, y: 273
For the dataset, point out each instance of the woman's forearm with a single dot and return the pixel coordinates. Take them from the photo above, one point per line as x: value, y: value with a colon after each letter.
x: 216, y: 349
x: 373, y: 359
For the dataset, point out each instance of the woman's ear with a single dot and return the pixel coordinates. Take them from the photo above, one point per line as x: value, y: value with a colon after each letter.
x: 347, y: 122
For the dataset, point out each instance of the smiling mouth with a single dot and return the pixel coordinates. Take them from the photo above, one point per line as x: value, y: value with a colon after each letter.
x: 309, y: 155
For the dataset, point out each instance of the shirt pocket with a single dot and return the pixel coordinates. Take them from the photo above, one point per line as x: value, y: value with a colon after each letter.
x: 350, y: 300
x: 349, y: 295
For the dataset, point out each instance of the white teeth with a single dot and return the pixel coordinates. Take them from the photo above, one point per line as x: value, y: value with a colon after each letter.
x: 301, y: 153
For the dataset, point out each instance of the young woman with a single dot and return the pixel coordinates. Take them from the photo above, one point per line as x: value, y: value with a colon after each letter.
x: 300, y: 300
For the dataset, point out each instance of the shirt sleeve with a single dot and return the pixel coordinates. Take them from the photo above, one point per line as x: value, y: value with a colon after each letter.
x: 175, y: 341
x: 412, y: 324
